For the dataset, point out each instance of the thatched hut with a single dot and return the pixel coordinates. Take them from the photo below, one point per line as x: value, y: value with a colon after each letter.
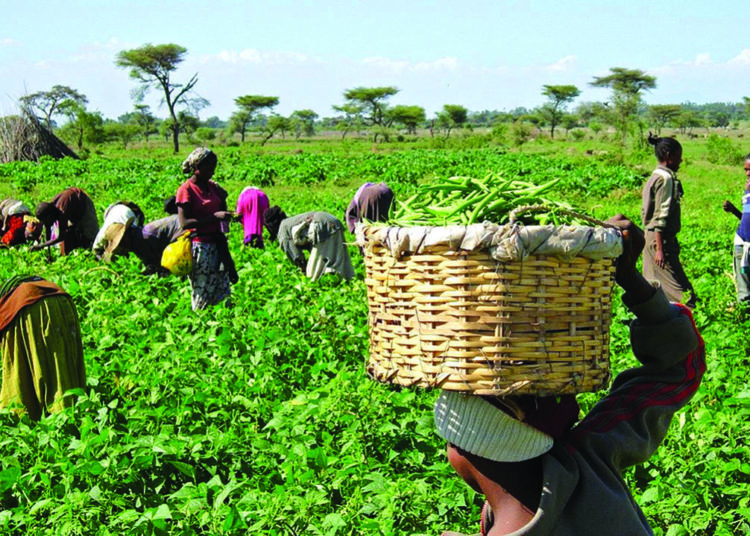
x: 23, y: 137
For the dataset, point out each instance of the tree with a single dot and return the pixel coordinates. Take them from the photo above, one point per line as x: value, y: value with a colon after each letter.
x: 249, y: 106
x: 303, y: 121
x: 352, y: 118
x: 145, y: 120
x: 626, y: 85
x: 559, y: 98
x: 276, y: 123
x: 409, y: 116
x: 48, y: 103
x: 152, y: 66
x: 453, y: 115
x: 661, y: 114
x: 124, y: 132
x: 82, y: 124
x: 372, y: 101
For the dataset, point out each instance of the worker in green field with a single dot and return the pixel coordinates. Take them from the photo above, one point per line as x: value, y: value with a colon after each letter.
x: 541, y: 471
x: 17, y: 224
x: 69, y: 220
x: 320, y: 233
x: 741, y: 257
x: 40, y: 341
x: 371, y: 202
x: 661, y: 217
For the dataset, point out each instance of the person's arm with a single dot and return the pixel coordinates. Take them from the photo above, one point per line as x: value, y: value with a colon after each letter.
x: 729, y: 207
x: 628, y: 424
x: 352, y: 215
x: 62, y: 229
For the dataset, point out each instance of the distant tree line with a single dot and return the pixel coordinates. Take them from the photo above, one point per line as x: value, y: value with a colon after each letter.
x: 364, y: 110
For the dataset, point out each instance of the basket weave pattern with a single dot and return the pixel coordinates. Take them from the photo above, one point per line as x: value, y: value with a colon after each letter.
x: 460, y: 320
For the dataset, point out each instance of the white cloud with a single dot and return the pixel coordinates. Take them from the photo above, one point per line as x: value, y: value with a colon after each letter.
x: 8, y: 42
x: 703, y: 59
x: 563, y: 64
x: 743, y: 58
x: 259, y: 57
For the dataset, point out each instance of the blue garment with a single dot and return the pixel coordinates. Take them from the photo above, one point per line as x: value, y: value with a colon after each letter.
x: 743, y: 230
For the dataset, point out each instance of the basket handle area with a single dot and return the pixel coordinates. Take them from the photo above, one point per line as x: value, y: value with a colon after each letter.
x: 542, y: 208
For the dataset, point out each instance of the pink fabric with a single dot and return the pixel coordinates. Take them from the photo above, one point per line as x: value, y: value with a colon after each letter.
x: 252, y: 205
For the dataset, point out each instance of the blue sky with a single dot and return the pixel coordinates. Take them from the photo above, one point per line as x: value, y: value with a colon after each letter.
x: 480, y: 54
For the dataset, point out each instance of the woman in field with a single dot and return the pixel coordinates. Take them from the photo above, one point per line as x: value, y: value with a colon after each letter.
x: 121, y: 213
x: 251, y: 207
x: 17, y: 224
x: 741, y: 257
x: 660, y: 214
x: 73, y: 216
x: 319, y: 233
x: 40, y: 339
x: 371, y: 202
x: 201, y: 208
x: 543, y: 474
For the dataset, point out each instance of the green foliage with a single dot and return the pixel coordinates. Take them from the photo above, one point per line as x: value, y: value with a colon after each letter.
x: 260, y: 418
x: 722, y: 150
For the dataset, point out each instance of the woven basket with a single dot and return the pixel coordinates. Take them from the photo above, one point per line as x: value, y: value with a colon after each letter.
x: 461, y: 320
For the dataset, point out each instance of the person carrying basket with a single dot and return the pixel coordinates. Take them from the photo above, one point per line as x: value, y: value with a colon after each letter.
x: 543, y: 474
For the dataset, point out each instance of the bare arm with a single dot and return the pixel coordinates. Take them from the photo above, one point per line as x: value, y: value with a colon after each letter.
x: 729, y: 207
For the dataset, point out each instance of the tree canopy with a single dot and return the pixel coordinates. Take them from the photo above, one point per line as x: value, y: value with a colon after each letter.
x: 152, y: 66
x: 626, y: 85
x: 249, y: 106
x: 559, y: 97
x: 49, y: 103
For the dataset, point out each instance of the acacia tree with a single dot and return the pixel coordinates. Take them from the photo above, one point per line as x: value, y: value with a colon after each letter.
x: 275, y: 123
x: 303, y: 121
x: 373, y: 105
x: 452, y: 116
x: 249, y: 106
x: 409, y: 116
x: 626, y: 85
x: 661, y: 114
x: 559, y: 97
x: 352, y: 118
x: 48, y: 103
x: 152, y: 66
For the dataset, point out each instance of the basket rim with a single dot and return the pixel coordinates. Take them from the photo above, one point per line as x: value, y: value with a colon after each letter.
x: 505, y: 242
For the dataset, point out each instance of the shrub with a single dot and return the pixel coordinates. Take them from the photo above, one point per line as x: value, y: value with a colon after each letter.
x: 721, y: 150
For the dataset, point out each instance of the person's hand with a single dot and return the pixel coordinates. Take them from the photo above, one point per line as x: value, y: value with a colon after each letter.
x: 728, y: 206
x: 659, y: 259
x: 35, y: 247
x: 626, y: 273
x: 223, y: 215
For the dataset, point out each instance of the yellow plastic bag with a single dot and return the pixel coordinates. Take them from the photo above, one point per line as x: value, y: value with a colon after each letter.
x: 178, y: 256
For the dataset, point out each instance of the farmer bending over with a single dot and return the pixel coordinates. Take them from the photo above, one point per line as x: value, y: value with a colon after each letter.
x: 69, y: 220
x: 320, y: 233
x: 40, y: 340
x: 540, y: 474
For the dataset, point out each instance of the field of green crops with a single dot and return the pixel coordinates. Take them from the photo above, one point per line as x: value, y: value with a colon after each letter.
x: 260, y: 418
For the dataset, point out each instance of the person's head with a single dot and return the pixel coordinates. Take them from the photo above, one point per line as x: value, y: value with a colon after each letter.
x: 747, y: 171
x: 272, y: 220
x: 118, y: 241
x: 510, y: 429
x: 33, y: 229
x: 201, y: 164
x: 47, y: 213
x: 668, y: 151
x: 170, y: 205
